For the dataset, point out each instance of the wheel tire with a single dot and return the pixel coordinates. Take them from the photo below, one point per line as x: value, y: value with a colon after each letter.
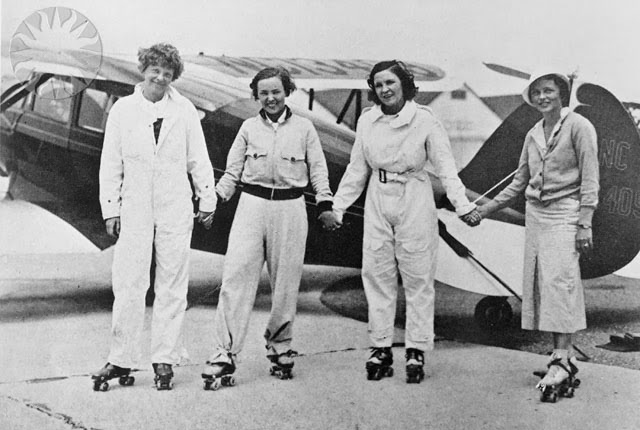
x: 493, y: 313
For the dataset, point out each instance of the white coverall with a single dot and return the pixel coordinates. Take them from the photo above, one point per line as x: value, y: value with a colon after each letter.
x: 282, y: 155
x: 147, y: 186
x: 400, y: 222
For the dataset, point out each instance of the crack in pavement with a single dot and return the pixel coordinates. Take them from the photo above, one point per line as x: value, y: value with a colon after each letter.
x: 43, y: 408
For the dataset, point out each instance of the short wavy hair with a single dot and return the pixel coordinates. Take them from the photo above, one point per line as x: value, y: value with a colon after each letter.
x: 272, y: 72
x: 563, y: 86
x: 161, y: 54
x: 403, y: 73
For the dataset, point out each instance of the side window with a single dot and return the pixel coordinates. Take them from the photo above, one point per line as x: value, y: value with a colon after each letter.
x: 53, y: 99
x: 92, y: 109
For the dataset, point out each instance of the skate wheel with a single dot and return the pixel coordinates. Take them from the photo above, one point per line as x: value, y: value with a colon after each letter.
x: 570, y: 392
x: 126, y: 381
x: 214, y: 385
x: 389, y: 372
x: 576, y: 383
x: 272, y: 371
x: 104, y: 386
x: 228, y: 381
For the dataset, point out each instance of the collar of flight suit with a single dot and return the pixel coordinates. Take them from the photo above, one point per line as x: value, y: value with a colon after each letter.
x: 285, y: 115
x: 402, y: 118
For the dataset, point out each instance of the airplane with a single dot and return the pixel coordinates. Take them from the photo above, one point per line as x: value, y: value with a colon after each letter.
x: 55, y: 142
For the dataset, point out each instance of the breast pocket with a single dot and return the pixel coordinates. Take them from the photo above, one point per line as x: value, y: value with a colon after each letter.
x: 135, y: 141
x: 292, y: 164
x: 255, y: 163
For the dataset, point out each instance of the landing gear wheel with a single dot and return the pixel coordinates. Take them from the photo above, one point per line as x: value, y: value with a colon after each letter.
x: 493, y: 313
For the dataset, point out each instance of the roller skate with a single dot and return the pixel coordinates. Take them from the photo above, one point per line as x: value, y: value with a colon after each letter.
x: 108, y: 372
x: 282, y: 364
x: 218, y: 373
x: 415, y: 364
x: 559, y: 380
x: 379, y: 364
x: 164, y: 373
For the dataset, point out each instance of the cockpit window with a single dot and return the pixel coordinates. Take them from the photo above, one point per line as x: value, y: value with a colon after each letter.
x: 53, y: 99
x: 93, y: 105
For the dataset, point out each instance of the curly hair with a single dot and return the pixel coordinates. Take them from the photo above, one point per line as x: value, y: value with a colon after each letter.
x: 403, y: 73
x: 272, y: 72
x: 161, y: 54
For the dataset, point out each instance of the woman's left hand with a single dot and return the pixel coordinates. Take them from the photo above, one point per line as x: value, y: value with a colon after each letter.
x: 473, y: 218
x: 206, y: 219
x: 584, y: 240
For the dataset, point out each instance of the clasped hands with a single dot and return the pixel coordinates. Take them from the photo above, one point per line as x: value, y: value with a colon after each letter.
x: 330, y: 221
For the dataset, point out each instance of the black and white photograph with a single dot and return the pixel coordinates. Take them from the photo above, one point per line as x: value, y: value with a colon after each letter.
x: 320, y: 214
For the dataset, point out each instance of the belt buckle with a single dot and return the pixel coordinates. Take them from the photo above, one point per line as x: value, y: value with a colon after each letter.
x: 273, y: 190
x: 382, y: 176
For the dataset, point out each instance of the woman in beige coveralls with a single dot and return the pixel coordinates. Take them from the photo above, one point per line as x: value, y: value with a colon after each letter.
x: 558, y: 172
x: 273, y: 158
x: 395, y: 140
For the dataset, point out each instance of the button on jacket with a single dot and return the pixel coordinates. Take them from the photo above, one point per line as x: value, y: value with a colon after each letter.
x: 289, y: 157
x: 566, y: 167
x: 146, y: 184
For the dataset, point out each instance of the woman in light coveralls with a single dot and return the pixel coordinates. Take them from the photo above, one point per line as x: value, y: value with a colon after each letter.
x: 153, y: 140
x: 275, y: 155
x: 395, y: 141
x: 559, y: 173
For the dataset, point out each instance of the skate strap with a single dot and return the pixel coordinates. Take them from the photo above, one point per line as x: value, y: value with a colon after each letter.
x: 558, y: 362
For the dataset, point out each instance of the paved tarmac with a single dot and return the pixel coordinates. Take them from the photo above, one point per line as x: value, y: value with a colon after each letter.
x: 54, y: 326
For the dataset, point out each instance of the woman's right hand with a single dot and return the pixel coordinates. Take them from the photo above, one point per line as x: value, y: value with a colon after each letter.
x: 113, y: 226
x: 329, y: 220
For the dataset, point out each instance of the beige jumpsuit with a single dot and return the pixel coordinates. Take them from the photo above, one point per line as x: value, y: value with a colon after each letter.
x: 400, y: 223
x: 282, y: 155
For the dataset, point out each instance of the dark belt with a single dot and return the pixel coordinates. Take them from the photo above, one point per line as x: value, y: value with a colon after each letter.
x: 272, y: 193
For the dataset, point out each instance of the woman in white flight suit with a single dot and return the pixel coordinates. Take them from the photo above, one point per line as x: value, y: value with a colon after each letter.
x: 153, y: 140
x: 275, y: 155
x: 395, y: 140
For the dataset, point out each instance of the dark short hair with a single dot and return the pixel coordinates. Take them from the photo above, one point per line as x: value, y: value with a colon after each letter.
x: 562, y: 86
x: 272, y: 72
x: 403, y: 73
x: 161, y: 54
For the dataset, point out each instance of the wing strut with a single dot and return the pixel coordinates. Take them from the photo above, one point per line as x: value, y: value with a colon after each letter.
x: 465, y: 252
x: 357, y: 94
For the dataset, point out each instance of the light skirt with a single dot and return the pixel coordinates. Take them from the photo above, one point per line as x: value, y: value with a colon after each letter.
x: 553, y: 296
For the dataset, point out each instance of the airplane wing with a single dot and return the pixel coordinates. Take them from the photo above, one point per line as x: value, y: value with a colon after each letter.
x: 322, y: 74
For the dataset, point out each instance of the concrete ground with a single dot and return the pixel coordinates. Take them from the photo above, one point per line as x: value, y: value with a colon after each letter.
x: 54, y: 333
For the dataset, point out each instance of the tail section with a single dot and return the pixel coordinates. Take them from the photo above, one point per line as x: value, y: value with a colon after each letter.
x: 616, y: 223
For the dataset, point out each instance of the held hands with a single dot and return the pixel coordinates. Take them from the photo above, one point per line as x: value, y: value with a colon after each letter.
x: 329, y: 220
x: 113, y: 226
x: 584, y: 240
x: 472, y: 219
x: 205, y: 218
